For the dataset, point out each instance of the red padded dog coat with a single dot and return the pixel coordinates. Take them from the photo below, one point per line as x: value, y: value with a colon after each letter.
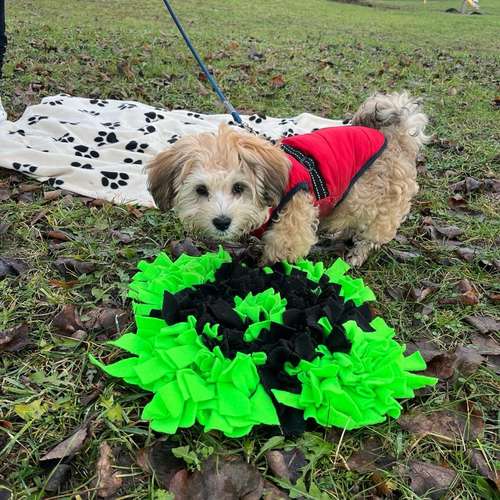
x: 327, y: 163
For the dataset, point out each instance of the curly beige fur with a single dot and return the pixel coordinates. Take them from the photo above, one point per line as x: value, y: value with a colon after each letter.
x: 240, y: 177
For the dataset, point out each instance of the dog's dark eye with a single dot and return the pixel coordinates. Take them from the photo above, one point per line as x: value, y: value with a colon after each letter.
x: 238, y: 188
x: 202, y: 190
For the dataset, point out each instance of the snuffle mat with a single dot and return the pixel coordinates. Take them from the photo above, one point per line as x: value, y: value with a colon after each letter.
x: 232, y: 347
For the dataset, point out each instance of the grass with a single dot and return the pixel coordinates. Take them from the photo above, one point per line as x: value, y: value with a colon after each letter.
x: 331, y: 56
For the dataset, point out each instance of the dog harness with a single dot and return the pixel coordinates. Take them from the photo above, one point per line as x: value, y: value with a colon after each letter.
x: 327, y: 163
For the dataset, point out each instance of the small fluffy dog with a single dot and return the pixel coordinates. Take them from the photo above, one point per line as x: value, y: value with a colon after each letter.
x: 352, y: 183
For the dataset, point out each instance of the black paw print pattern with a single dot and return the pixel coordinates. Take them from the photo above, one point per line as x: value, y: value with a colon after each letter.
x: 54, y: 102
x: 131, y: 161
x: 20, y: 132
x: 111, y: 125
x: 136, y: 147
x: 39, y: 150
x: 147, y: 130
x: 99, y: 102
x: 105, y: 138
x: 86, y: 152
x: 289, y: 133
x: 54, y: 182
x: 90, y: 112
x: 151, y: 116
x: 33, y: 120
x: 195, y: 115
x: 257, y: 118
x: 65, y: 138
x: 173, y: 139
x: 68, y: 123
x: 85, y: 166
x: 25, y: 167
x: 114, y: 179
x: 127, y: 105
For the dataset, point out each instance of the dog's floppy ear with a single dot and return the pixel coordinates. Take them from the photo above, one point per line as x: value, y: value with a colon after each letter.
x: 165, y: 174
x: 269, y: 164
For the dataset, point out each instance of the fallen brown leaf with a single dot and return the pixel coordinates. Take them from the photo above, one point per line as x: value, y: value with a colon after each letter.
x: 467, y: 254
x: 67, y: 321
x: 404, y: 256
x: 70, y: 267
x: 187, y: 246
x: 278, y: 81
x: 445, y: 364
x: 63, y: 284
x: 58, y: 235
x: 481, y: 465
x: 108, y: 481
x: 484, y: 324
x: 159, y: 460
x: 57, y: 477
x: 122, y: 236
x: 271, y: 492
x: 4, y: 194
x: 429, y: 479
x: 124, y: 68
x: 286, y: 465
x: 225, y: 477
x: 14, y: 339
x: 179, y: 485
x: 457, y: 201
x: 108, y: 320
x: 370, y: 457
x: 49, y: 196
x: 468, y: 185
x: 90, y: 397
x: 12, y: 267
x: 468, y: 294
x: 383, y: 486
x: 70, y: 446
x: 462, y: 423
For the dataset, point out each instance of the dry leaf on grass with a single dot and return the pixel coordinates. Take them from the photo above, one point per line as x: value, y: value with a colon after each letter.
x: 430, y: 480
x: 67, y: 320
x: 72, y: 267
x: 481, y: 465
x: 187, y: 246
x: 159, y: 460
x: 122, y: 236
x: 57, y: 477
x: 12, y: 267
x: 370, y: 457
x: 445, y: 364
x: 278, y: 81
x: 70, y: 446
x: 14, y: 339
x: 108, y: 320
x: 220, y: 477
x: 108, y: 480
x: 286, y: 465
x: 58, y: 235
x: 484, y: 324
x: 462, y: 423
x: 403, y: 256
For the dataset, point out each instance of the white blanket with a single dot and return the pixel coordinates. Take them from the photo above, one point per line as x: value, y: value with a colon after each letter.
x: 99, y: 148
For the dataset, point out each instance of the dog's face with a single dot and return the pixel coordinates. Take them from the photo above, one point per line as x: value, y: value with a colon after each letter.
x: 220, y: 185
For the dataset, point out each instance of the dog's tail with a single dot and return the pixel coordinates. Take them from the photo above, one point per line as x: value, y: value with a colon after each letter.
x: 396, y: 115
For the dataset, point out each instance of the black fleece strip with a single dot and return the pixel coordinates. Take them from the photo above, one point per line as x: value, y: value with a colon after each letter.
x: 319, y: 184
x: 362, y: 170
x: 302, y: 186
x: 294, y: 340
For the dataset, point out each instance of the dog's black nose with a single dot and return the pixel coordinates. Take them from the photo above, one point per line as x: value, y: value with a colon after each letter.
x: 222, y: 222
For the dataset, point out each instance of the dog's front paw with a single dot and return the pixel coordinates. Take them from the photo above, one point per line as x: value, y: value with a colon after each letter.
x: 272, y: 255
x: 359, y: 253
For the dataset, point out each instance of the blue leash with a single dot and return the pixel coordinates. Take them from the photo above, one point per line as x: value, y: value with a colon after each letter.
x: 223, y: 99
